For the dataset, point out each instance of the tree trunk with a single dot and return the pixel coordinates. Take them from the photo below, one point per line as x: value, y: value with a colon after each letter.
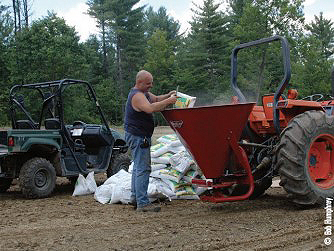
x: 25, y: 12
x: 120, y: 73
x: 18, y: 12
x: 104, y: 48
x: 15, y: 21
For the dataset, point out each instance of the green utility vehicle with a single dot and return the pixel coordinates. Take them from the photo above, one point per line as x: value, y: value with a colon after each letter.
x: 44, y: 143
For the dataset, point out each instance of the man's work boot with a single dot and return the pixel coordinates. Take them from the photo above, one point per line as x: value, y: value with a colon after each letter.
x: 148, y: 208
x: 133, y: 203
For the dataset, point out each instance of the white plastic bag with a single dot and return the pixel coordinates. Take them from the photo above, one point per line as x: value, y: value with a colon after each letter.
x: 191, y: 174
x: 159, y: 189
x: 131, y: 167
x: 163, y: 159
x: 181, y: 162
x: 155, y: 167
x: 121, y: 193
x: 171, y: 139
x: 120, y: 175
x: 103, y: 193
x: 158, y: 149
x: 84, y: 186
x: 167, y: 173
x: 186, y: 193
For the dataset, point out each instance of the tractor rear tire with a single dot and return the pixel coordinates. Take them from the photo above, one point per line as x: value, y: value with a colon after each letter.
x: 305, y: 158
x: 37, y: 178
x: 5, y: 184
x: 118, y: 162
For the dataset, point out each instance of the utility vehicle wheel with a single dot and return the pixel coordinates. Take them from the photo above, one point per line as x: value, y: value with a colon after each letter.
x: 72, y: 180
x: 118, y: 162
x: 37, y: 178
x: 5, y: 184
x: 305, y: 158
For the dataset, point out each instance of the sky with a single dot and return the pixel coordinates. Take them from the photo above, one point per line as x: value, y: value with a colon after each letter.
x: 73, y: 11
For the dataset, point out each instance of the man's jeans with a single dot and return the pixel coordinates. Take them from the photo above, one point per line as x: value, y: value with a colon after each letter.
x: 141, y: 168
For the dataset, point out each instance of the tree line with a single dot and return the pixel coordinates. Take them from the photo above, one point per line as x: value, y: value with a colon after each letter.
x: 131, y: 38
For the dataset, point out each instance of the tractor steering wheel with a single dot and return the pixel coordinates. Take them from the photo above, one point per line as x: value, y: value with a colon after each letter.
x: 313, y: 97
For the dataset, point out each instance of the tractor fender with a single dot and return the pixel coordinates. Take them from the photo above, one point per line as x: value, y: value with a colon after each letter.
x: 39, y: 141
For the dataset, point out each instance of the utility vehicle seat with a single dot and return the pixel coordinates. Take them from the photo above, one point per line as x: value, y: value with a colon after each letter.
x: 52, y: 123
x: 94, y: 136
x: 25, y: 124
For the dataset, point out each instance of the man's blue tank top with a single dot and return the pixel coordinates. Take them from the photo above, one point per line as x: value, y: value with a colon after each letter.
x: 138, y: 123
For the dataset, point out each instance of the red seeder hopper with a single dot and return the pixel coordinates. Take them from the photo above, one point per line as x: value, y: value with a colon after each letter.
x: 210, y: 134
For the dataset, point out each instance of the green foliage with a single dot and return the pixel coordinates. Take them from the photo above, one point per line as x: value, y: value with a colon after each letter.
x: 160, y: 20
x: 78, y: 105
x: 313, y: 72
x: 160, y: 61
x: 110, y: 101
x: 49, y: 49
x: 4, y: 118
x: 6, y: 28
x: 204, y: 54
x: 131, y: 38
x: 322, y: 29
x: 94, y: 57
x: 261, y: 19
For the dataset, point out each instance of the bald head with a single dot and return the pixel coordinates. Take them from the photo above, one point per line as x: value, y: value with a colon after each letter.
x: 144, y: 80
x: 143, y: 76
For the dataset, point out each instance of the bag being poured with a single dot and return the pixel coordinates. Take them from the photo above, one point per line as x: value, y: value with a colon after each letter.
x: 184, y: 101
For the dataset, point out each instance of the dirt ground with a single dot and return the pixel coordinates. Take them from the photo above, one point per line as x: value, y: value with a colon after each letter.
x: 64, y: 222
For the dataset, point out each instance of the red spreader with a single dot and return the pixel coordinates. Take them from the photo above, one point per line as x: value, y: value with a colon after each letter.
x: 211, y: 135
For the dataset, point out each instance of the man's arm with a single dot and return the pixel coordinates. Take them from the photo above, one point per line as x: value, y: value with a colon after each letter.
x: 141, y: 104
x: 159, y: 98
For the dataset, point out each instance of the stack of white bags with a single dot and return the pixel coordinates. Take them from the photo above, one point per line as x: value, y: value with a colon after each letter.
x: 171, y: 175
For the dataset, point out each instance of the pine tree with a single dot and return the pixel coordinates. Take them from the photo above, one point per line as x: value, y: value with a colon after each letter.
x: 98, y: 10
x: 206, y: 54
x: 160, y: 20
x: 323, y: 30
x: 261, y: 69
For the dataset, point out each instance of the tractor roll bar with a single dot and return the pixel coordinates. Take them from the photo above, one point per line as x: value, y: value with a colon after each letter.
x: 284, y: 82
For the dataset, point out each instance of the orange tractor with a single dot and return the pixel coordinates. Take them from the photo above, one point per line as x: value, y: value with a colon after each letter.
x: 241, y: 147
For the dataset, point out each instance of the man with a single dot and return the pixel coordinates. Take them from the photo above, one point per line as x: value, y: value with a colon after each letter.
x: 139, y: 128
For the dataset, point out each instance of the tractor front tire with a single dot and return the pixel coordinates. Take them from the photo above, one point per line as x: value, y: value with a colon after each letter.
x: 5, y: 184
x: 305, y: 158
x: 118, y: 162
x: 37, y: 178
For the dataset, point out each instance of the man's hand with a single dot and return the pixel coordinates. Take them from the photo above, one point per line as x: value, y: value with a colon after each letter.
x: 171, y: 93
x: 172, y: 99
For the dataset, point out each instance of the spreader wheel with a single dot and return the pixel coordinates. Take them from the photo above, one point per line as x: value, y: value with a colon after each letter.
x: 306, y: 158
